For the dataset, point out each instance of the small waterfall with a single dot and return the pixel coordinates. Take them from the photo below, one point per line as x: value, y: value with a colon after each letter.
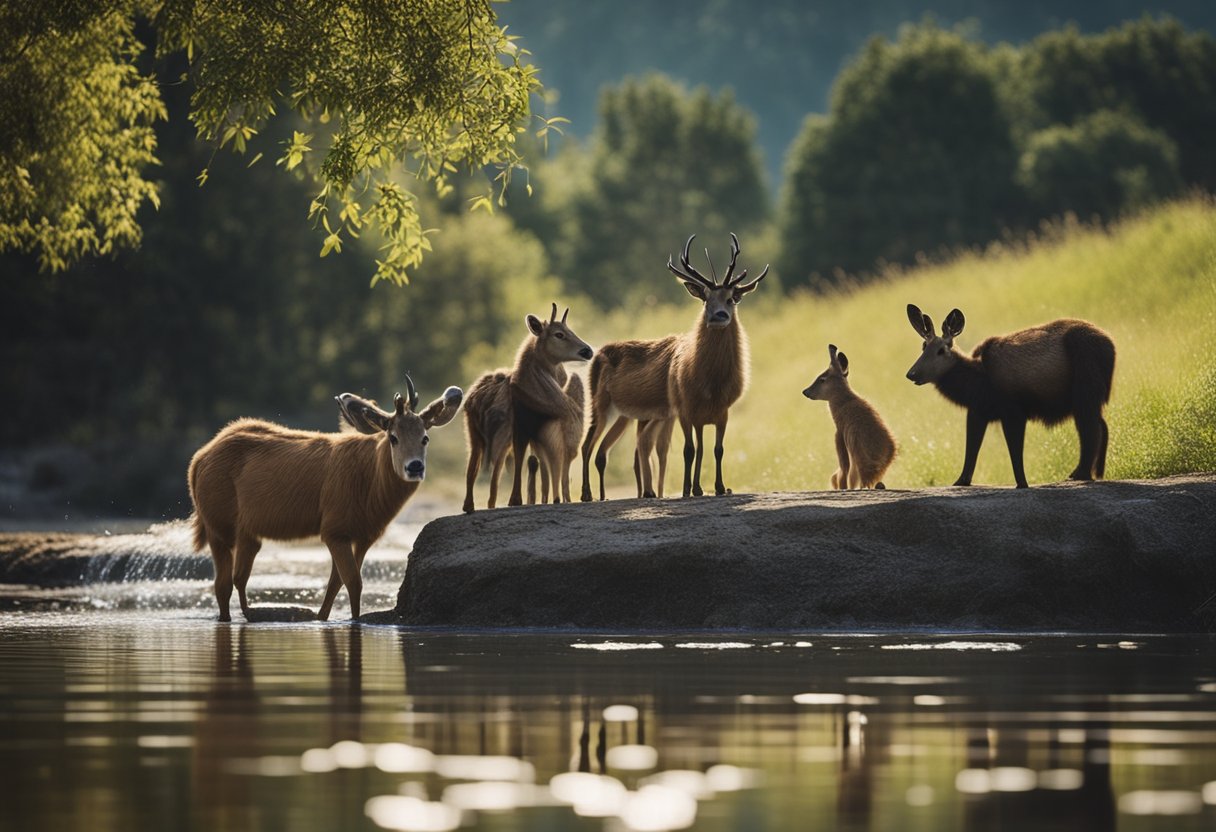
x: 163, y: 553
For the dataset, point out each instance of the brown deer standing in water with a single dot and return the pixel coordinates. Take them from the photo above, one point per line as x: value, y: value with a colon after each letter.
x: 1047, y: 373
x: 257, y: 480
x: 694, y: 377
x: 541, y: 409
x: 864, y: 445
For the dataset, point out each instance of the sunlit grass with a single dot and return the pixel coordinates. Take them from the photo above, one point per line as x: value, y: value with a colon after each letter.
x: 1150, y: 282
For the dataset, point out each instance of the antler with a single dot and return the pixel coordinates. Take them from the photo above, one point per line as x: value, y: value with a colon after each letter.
x: 734, y: 255
x: 553, y: 314
x: 413, y: 393
x: 689, y: 273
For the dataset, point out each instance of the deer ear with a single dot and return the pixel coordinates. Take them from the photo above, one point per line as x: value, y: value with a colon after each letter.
x: 953, y: 325
x: 534, y: 325
x: 917, y: 319
x: 442, y: 410
x: 832, y: 353
x: 361, y: 414
x: 695, y: 290
x: 842, y: 361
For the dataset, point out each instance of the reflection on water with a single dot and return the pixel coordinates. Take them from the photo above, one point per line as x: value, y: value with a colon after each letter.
x: 136, y: 721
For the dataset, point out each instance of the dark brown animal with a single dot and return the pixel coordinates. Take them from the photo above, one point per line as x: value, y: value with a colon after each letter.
x: 865, y: 447
x: 257, y: 480
x: 540, y: 407
x: 1046, y: 373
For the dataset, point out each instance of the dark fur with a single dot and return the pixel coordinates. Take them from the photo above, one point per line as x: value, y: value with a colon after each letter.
x: 970, y: 383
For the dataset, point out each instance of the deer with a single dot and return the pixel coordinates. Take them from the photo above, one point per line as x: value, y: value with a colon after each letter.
x: 693, y: 378
x: 257, y: 480
x: 487, y: 414
x: 865, y: 447
x: 541, y: 411
x: 1046, y: 373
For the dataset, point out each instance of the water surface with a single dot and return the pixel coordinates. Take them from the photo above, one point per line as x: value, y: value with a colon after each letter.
x: 126, y: 706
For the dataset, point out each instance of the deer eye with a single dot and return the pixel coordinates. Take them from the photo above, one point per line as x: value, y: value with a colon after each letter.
x: 941, y: 350
x: 425, y: 439
x: 561, y: 335
x: 730, y: 301
x: 392, y: 438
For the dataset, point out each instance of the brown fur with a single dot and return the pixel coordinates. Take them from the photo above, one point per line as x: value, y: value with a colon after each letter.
x: 257, y: 480
x: 628, y: 381
x: 488, y: 425
x: 704, y: 370
x: 865, y: 447
x: 539, y: 403
x: 1046, y: 373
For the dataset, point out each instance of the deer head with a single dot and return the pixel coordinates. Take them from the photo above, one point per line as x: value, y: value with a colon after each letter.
x: 937, y: 354
x: 720, y: 299
x: 556, y: 341
x: 406, y: 428
x: 834, y: 378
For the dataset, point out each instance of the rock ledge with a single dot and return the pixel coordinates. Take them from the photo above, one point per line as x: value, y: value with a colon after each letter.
x: 1097, y: 557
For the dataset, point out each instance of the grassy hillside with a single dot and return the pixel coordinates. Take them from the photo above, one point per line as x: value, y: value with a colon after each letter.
x: 1150, y: 282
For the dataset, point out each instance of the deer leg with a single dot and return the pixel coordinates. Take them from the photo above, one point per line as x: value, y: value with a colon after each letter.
x: 533, y: 464
x: 331, y: 592
x: 977, y: 425
x: 593, y: 433
x: 1014, y: 427
x: 1090, y: 431
x: 719, y: 435
x: 610, y: 439
x: 689, y: 453
x: 347, y: 564
x: 840, y: 479
x: 246, y: 550
x: 476, y: 449
x: 519, y: 445
x: 221, y: 556
x: 1100, y: 467
x: 495, y: 475
x: 642, y: 471
x: 696, y: 472
x: 662, y: 445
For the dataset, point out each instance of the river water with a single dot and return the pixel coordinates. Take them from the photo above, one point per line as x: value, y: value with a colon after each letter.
x: 126, y: 706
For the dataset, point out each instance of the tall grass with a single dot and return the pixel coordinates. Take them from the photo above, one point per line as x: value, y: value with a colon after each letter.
x: 1149, y: 281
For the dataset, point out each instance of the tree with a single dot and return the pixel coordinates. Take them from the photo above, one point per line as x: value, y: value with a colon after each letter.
x: 915, y: 154
x: 664, y: 163
x: 1154, y: 69
x: 75, y: 129
x: 392, y: 90
x: 1103, y: 165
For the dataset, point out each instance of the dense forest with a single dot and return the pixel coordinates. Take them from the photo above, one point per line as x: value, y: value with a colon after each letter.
x: 896, y: 138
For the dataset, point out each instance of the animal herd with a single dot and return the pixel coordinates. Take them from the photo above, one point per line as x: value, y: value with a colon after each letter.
x: 257, y: 480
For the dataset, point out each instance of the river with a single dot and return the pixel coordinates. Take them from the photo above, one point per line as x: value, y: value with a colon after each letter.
x: 125, y: 705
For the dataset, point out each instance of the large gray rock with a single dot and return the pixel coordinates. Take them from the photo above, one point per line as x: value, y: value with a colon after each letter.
x: 1098, y: 557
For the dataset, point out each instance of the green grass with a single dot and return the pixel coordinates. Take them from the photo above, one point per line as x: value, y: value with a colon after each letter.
x: 1149, y: 281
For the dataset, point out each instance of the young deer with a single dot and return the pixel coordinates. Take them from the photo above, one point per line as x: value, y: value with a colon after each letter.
x: 1047, y: 373
x: 488, y: 419
x: 864, y: 445
x: 542, y: 413
x: 257, y: 480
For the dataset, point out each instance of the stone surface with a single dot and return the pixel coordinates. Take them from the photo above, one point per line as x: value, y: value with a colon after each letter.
x: 1096, y: 557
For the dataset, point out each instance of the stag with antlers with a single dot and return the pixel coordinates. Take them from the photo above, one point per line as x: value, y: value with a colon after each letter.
x: 694, y: 377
